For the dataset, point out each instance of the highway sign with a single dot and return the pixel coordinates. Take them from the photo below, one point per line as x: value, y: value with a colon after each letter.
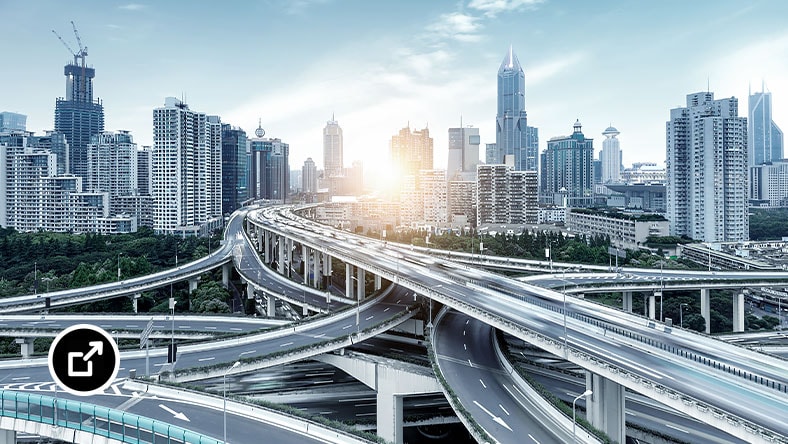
x: 146, y: 334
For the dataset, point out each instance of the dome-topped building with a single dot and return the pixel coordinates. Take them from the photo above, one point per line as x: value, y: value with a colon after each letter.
x: 610, y: 157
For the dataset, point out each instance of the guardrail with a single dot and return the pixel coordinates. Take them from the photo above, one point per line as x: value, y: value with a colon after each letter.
x: 28, y: 411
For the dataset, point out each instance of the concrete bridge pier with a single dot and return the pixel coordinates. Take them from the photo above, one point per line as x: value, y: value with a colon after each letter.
x: 193, y: 283
x: 378, y: 282
x: 25, y: 346
x: 316, y: 269
x: 327, y: 270
x: 652, y: 306
x: 280, y: 262
x: 267, y: 247
x: 626, y: 298
x: 705, y: 308
x: 226, y: 270
x: 305, y: 261
x: 349, y: 281
x: 289, y: 257
x: 605, y: 408
x: 7, y: 436
x: 360, y: 281
x: 270, y: 305
x: 134, y: 300
x: 738, y: 312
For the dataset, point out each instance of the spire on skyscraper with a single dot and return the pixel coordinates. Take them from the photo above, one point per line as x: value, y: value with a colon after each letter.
x: 510, y: 62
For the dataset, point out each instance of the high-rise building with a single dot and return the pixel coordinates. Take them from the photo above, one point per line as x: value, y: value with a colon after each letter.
x: 490, y: 153
x: 309, y: 176
x: 144, y: 170
x: 706, y: 170
x: 567, y: 169
x: 12, y: 121
x: 181, y: 168
x: 78, y: 116
x: 463, y: 152
x: 412, y: 151
x: 269, y: 168
x: 769, y: 184
x: 423, y: 199
x: 333, y: 160
x: 505, y: 195
x: 610, y: 156
x: 461, y: 202
x: 512, y: 134
x: 56, y: 143
x: 112, y: 165
x: 765, y: 139
x: 234, y: 168
x: 213, y: 160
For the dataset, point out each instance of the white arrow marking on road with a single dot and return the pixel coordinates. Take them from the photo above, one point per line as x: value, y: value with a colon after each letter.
x: 495, y: 418
x: 174, y: 413
x: 98, y: 347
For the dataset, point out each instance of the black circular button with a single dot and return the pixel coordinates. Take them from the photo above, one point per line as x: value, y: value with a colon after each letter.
x: 84, y: 359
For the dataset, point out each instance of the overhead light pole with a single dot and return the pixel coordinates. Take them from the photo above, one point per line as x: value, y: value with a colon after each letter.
x: 224, y: 396
x: 119, y: 264
x: 681, y: 314
x: 574, y: 415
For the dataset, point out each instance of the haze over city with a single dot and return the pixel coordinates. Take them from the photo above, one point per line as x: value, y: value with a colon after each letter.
x: 379, y: 66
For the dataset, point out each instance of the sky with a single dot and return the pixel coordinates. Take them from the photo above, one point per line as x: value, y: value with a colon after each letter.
x: 378, y: 66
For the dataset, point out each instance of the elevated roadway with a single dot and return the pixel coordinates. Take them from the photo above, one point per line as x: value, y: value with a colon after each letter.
x: 671, y: 366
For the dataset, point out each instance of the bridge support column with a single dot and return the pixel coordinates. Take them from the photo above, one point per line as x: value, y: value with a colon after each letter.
x: 267, y: 247
x: 652, y: 306
x: 280, y: 263
x: 193, y: 283
x: 348, y: 281
x: 316, y: 269
x: 7, y: 436
x: 378, y: 282
x: 705, y: 308
x: 260, y: 241
x: 389, y: 416
x: 25, y: 346
x: 289, y: 257
x: 626, y: 298
x: 738, y: 312
x: 134, y: 300
x: 270, y: 306
x: 226, y: 270
x: 305, y: 261
x: 605, y: 407
x: 360, y: 281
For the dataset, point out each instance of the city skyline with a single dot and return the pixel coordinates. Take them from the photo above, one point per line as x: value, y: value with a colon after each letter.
x: 378, y: 67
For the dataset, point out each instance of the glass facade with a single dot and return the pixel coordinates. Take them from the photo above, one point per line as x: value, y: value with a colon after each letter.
x: 513, y: 136
x: 234, y: 168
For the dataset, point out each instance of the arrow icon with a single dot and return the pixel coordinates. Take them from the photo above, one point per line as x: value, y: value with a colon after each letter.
x: 494, y: 418
x: 98, y: 347
x: 177, y: 415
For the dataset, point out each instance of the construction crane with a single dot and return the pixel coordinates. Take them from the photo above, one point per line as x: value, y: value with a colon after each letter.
x: 79, y: 57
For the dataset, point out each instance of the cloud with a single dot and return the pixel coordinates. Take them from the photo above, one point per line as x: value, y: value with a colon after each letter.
x: 546, y: 70
x: 294, y: 7
x: 491, y: 8
x: 456, y: 26
x: 132, y: 7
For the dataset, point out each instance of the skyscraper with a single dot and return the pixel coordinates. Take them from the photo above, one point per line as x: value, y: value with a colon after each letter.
x: 112, y: 164
x: 463, y: 152
x: 567, y: 169
x: 707, y: 170
x: 180, y: 168
x: 611, y: 156
x: 765, y: 139
x: 56, y: 142
x: 333, y: 161
x: 144, y: 169
x: 412, y: 151
x: 234, y: 168
x: 213, y: 164
x: 77, y: 115
x: 309, y: 176
x: 269, y: 169
x: 512, y: 134
x: 12, y: 121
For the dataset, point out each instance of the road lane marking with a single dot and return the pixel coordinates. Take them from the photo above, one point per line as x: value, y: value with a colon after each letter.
x: 286, y: 344
x: 207, y: 359
x: 210, y: 328
x: 235, y: 329
x: 676, y: 428
x: 21, y: 378
x: 347, y: 326
x: 466, y: 321
x: 483, y: 385
x: 470, y: 363
x: 247, y: 352
x: 494, y: 418
x: 465, y: 346
x: 370, y: 317
x: 387, y: 309
x: 504, y: 410
x: 534, y: 439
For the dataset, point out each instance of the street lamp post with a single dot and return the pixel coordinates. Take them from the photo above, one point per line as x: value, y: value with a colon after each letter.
x: 574, y: 423
x: 119, y: 264
x: 566, y: 339
x: 681, y: 314
x: 172, y: 343
x: 224, y: 396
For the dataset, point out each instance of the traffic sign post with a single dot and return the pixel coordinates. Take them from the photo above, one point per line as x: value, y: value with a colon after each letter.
x: 144, y: 343
x: 84, y: 359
